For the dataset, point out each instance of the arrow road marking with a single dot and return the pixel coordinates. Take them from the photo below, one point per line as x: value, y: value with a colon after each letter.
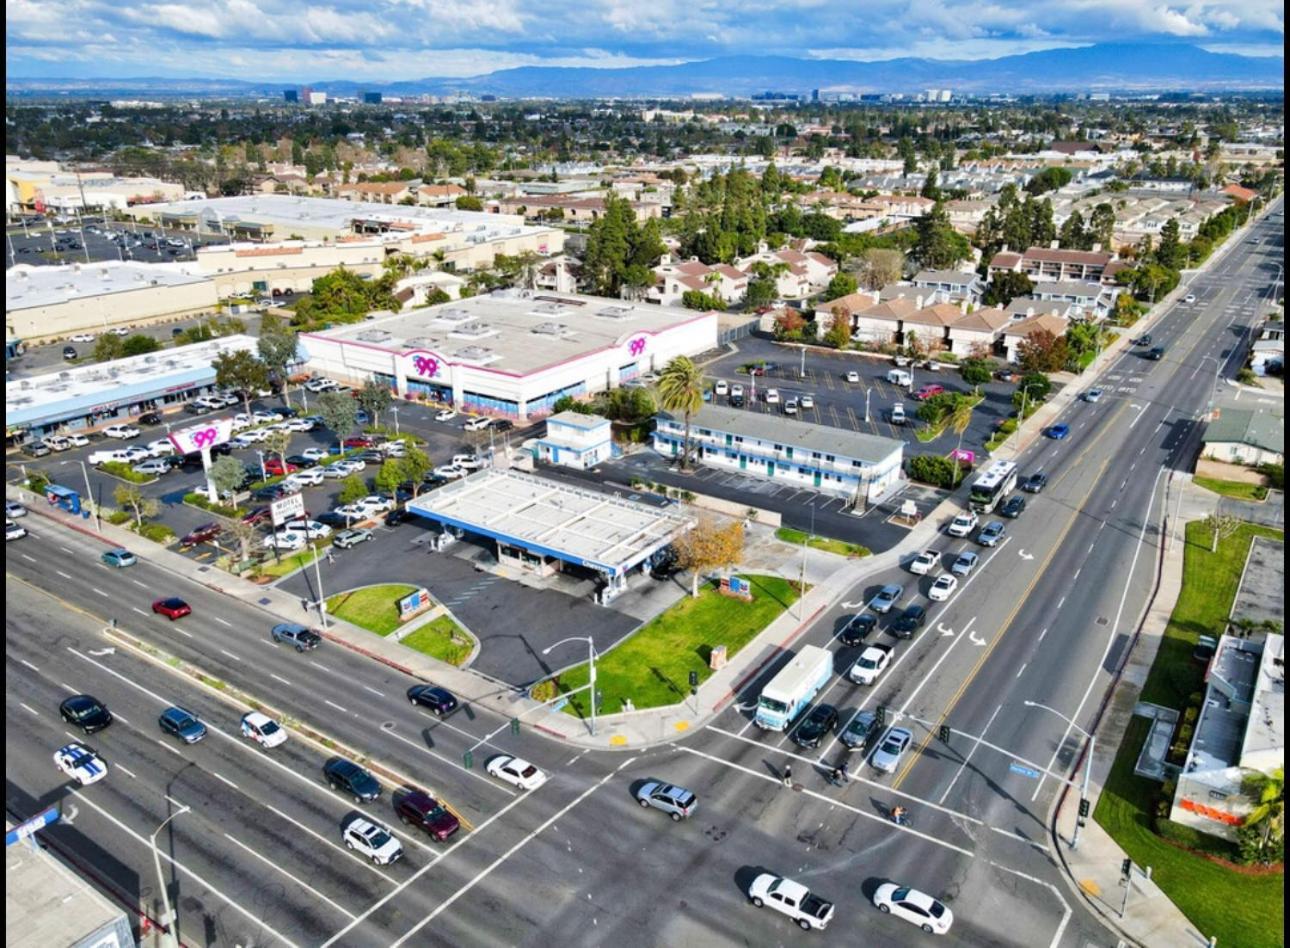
x: 68, y: 817
x: 104, y: 651
x: 1024, y: 555
x: 852, y: 605
x: 974, y: 640
x: 943, y: 629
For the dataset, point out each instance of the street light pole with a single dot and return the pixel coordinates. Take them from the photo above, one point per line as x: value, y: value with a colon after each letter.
x: 89, y: 495
x: 591, y: 664
x: 322, y: 602
x: 169, y: 936
x: 867, y: 392
x: 1088, y: 764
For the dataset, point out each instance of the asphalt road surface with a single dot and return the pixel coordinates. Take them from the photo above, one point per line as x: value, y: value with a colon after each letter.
x: 255, y: 858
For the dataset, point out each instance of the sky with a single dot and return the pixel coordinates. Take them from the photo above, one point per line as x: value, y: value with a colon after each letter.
x: 387, y: 40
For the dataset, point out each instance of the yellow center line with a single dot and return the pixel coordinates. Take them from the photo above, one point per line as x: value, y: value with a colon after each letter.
x: 1007, y: 624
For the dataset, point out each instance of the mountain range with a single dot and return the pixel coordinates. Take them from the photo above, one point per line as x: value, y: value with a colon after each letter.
x: 1124, y: 67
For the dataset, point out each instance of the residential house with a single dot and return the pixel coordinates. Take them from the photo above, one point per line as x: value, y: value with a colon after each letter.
x: 951, y: 284
x: 1245, y: 435
x: 1240, y: 732
x: 1052, y: 265
x: 966, y: 215
x: 440, y: 195
x: 559, y: 274
x: 576, y: 440
x: 576, y: 208
x: 929, y: 328
x: 381, y: 192
x: 980, y: 330
x: 1091, y: 300
x: 805, y: 274
x: 415, y: 290
x: 1240, y: 195
x: 1019, y: 330
x: 673, y: 280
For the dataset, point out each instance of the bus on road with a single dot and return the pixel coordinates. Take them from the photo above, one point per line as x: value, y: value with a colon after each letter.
x: 793, y: 687
x: 992, y: 485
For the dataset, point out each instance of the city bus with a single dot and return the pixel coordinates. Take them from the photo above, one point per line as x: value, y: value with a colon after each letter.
x: 992, y: 485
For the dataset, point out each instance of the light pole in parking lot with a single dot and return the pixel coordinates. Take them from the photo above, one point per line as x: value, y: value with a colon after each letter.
x: 591, y: 664
x: 867, y: 392
x: 89, y: 495
x: 166, y: 920
x: 1213, y: 390
x: 1088, y: 766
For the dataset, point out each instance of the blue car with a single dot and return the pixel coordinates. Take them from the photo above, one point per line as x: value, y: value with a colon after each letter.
x: 118, y: 558
x: 1058, y: 432
x: 183, y: 724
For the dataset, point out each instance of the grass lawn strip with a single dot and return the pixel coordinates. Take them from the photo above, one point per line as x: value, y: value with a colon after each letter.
x: 828, y: 545
x: 1237, y: 489
x: 374, y: 608
x: 1241, y: 909
x: 652, y: 668
x: 441, y: 638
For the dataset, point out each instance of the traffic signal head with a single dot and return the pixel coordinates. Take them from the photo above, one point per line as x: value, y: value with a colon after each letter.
x: 943, y: 732
x: 1083, y: 807
x: 881, y: 712
x: 694, y: 679
x: 1126, y: 868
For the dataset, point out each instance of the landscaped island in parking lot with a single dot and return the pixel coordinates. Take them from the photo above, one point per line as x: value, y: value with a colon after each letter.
x: 652, y: 667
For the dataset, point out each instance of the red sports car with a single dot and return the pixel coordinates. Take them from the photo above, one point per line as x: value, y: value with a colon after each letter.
x: 172, y: 608
x: 359, y: 441
x: 274, y: 466
x: 203, y: 534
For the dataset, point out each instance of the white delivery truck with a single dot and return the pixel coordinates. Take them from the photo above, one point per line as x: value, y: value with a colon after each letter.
x: 793, y: 688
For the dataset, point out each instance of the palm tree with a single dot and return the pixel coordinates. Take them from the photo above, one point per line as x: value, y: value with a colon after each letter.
x: 959, y: 419
x: 680, y: 388
x: 1267, y: 793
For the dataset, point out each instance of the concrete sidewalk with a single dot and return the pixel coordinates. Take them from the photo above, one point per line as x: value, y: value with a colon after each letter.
x: 1094, y: 868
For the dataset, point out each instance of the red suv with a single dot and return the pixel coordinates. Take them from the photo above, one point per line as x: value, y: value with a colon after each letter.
x: 274, y: 466
x: 359, y: 441
x: 418, y: 808
x: 927, y: 391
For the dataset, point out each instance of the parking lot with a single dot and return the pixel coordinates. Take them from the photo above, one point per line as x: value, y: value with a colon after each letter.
x: 842, y: 404
x: 50, y: 244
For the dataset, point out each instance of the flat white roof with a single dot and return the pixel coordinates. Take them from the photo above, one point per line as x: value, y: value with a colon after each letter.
x: 70, y: 392
x: 27, y: 286
x: 570, y: 523
x: 512, y: 331
x: 285, y: 212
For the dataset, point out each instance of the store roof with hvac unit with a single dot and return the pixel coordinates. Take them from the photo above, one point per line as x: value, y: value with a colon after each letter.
x: 563, y: 521
x: 28, y: 286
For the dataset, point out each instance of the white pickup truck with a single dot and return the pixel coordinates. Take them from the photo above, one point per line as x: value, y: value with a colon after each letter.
x: 871, y: 663
x: 793, y: 899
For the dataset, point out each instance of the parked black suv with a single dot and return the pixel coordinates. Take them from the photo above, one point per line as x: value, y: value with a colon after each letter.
x: 909, y: 622
x: 150, y: 418
x: 821, y: 720
x: 1035, y: 482
x: 347, y: 776
x: 1013, y: 507
x: 1156, y: 354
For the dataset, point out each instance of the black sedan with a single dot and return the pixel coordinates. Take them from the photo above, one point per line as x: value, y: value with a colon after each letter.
x: 301, y: 462
x: 821, y: 721
x: 439, y: 700
x: 1035, y: 482
x: 858, y: 629
x: 86, y: 712
x: 1013, y: 507
x: 909, y: 622
x: 397, y: 516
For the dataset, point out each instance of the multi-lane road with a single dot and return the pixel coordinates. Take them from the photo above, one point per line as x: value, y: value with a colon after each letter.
x: 252, y: 854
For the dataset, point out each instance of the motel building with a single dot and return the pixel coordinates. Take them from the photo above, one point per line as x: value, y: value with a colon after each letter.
x: 797, y: 454
x: 511, y: 353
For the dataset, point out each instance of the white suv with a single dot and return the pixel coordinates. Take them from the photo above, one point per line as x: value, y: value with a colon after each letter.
x: 124, y: 432
x: 963, y: 524
x: 372, y: 840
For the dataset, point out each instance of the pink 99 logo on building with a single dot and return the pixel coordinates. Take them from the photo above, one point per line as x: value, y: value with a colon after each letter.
x: 637, y: 346
x: 426, y: 366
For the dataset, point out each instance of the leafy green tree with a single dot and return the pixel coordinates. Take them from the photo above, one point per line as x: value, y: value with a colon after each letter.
x: 1006, y: 286
x: 413, y: 467
x: 1073, y: 235
x: 132, y: 496
x: 680, y: 389
x: 930, y: 189
x: 957, y: 420
x: 468, y: 202
x: 1266, y: 791
x: 228, y: 474
x: 761, y: 292
x: 934, y: 470
x: 1043, y: 351
x: 277, y: 347
x: 1050, y: 179
x: 879, y: 266
x: 241, y: 370
x: 839, y: 332
x: 939, y: 245
x: 697, y: 299
x: 1171, y: 254
x: 374, y: 397
x: 1101, y: 225
x: 976, y: 372
x: 139, y: 344
x: 843, y: 284
x: 1035, y: 386
x: 352, y: 488
x: 108, y: 348
x: 339, y: 413
x: 389, y: 476
x: 278, y: 442
x: 620, y: 252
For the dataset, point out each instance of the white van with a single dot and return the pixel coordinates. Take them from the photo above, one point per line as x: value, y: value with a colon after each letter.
x: 721, y: 388
x: 898, y: 413
x: 900, y: 377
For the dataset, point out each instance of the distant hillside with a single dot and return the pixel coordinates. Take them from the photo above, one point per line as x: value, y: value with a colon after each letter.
x: 1106, y: 67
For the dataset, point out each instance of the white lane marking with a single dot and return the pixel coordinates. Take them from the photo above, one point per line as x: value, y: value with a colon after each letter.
x: 1077, y: 572
x: 1043, y: 633
x: 99, y: 591
x: 298, y: 881
x: 323, y: 839
x: 131, y: 773
x: 968, y: 758
x: 170, y: 747
x: 318, y: 665
x: 279, y: 678
x: 832, y: 801
x: 1110, y: 638
x: 139, y: 584
x: 379, y: 694
x: 1020, y: 670
x: 29, y: 708
x: 258, y: 924
x: 29, y: 665
x: 138, y: 610
x: 222, y: 622
x: 336, y: 706
x: 225, y: 779
x: 497, y: 862
x: 1060, y: 602
x: 455, y: 764
x: 230, y: 655
x: 183, y: 633
x: 1066, y: 909
x: 62, y: 574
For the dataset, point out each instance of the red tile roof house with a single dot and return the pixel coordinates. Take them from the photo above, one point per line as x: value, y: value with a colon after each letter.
x: 1239, y: 194
x: 439, y: 195
x: 673, y: 280
x: 807, y: 274
x: 1051, y: 265
x: 1014, y: 334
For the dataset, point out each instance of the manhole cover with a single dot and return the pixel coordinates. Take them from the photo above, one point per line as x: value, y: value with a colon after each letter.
x: 1102, y: 620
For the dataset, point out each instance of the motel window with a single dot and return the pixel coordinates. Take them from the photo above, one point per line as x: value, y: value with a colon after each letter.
x: 816, y: 455
x: 829, y: 457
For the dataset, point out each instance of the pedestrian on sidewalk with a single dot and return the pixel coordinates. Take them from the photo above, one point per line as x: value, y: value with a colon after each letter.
x: 839, y: 776
x: 788, y: 775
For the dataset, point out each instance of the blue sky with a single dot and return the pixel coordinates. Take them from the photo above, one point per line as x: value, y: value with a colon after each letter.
x: 290, y: 41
